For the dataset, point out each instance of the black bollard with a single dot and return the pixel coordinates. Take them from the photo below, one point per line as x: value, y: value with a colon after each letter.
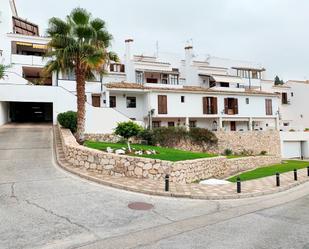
x: 308, y: 171
x: 238, y: 185
x: 302, y: 157
x: 277, y: 179
x: 295, y: 174
x: 167, y: 183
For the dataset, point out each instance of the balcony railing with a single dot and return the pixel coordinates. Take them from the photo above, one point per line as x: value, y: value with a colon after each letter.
x: 28, y: 60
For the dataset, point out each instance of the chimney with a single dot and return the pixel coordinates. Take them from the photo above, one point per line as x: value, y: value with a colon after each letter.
x: 129, y: 66
x: 188, y: 65
x: 128, y: 43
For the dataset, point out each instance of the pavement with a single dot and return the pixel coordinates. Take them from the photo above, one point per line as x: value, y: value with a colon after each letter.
x: 43, y: 206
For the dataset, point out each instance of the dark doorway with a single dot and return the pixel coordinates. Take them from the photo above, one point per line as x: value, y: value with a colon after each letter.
x: 233, y: 126
x: 31, y: 112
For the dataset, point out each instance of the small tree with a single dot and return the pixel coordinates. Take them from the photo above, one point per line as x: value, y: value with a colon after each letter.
x: 127, y: 130
x: 278, y: 81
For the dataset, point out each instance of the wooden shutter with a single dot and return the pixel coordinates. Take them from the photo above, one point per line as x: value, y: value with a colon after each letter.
x: 96, y: 100
x: 111, y: 66
x: 269, y: 107
x: 235, y: 104
x: 122, y: 68
x: 162, y: 104
x: 205, y: 105
x: 214, y: 105
x: 226, y: 106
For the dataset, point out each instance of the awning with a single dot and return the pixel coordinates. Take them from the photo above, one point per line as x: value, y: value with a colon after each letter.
x: 225, y: 78
x: 157, y: 71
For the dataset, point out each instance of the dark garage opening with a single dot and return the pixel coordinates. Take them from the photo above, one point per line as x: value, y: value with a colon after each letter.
x: 31, y: 112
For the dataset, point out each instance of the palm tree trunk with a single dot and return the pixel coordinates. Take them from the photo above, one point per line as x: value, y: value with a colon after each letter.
x: 81, y: 111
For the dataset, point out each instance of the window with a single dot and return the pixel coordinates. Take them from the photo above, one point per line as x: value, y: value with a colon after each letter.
x: 115, y: 67
x: 139, y: 77
x: 156, y: 124
x: 96, y: 100
x: 174, y: 79
x: 231, y: 106
x: 164, y: 78
x: 112, y: 101
x: 171, y: 124
x: 192, y: 123
x: 284, y: 98
x: 254, y: 75
x: 210, y: 105
x: 162, y: 104
x: 247, y: 101
x: 268, y: 107
x: 131, y: 102
x: 285, y: 124
x: 292, y: 94
x: 182, y: 99
x: 224, y: 84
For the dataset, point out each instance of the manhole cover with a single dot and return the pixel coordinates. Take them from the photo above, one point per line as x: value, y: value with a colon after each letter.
x: 140, y: 206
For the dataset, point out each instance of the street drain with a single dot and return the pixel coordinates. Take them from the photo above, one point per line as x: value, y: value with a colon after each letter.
x: 140, y: 206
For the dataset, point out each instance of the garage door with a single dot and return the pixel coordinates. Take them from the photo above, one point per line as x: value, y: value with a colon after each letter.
x: 31, y: 112
x: 291, y: 149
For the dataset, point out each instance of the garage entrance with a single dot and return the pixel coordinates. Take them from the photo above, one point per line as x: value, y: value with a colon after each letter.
x: 292, y: 149
x: 31, y: 112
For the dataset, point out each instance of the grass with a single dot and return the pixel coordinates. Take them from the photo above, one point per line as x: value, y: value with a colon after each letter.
x: 286, y: 166
x: 163, y: 153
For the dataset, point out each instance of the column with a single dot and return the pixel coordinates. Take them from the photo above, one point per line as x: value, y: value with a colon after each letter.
x: 220, y: 125
x: 250, y: 124
x: 187, y: 124
x: 277, y: 123
x: 107, y: 99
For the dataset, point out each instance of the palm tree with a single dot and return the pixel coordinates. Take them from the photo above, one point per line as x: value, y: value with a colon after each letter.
x: 79, y: 44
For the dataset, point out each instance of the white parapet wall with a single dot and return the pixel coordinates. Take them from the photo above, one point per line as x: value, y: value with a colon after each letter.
x: 294, y: 144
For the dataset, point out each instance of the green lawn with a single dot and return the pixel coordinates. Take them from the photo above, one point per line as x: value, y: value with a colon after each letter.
x: 163, y: 153
x: 288, y: 165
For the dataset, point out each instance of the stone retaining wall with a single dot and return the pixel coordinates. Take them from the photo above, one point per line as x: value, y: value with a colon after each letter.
x: 138, y: 167
x: 238, y: 142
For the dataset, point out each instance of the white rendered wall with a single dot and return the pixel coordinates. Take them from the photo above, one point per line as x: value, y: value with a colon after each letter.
x: 3, y: 113
x: 98, y: 120
x: 297, y: 112
x: 193, y: 106
x: 141, y: 105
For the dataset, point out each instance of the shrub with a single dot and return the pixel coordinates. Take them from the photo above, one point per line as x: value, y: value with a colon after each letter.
x: 147, y: 136
x: 201, y: 136
x: 228, y: 152
x: 291, y: 130
x: 68, y: 120
x: 127, y: 130
x: 263, y: 153
x: 245, y: 152
x: 169, y: 136
x: 306, y: 129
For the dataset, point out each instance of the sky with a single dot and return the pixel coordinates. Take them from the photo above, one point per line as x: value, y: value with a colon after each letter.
x: 274, y: 33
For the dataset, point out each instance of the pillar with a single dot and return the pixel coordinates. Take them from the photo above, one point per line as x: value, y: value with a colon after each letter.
x: 107, y: 99
x: 187, y: 124
x: 220, y: 124
x: 250, y: 124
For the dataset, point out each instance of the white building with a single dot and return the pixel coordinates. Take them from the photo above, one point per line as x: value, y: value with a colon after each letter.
x: 142, y: 88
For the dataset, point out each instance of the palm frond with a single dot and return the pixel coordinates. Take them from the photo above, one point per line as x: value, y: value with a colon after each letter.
x: 80, y: 16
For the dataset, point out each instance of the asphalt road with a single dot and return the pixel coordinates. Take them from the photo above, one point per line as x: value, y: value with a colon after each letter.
x: 41, y: 206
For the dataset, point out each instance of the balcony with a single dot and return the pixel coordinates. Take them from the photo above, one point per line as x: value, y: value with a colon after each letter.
x: 29, y: 60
